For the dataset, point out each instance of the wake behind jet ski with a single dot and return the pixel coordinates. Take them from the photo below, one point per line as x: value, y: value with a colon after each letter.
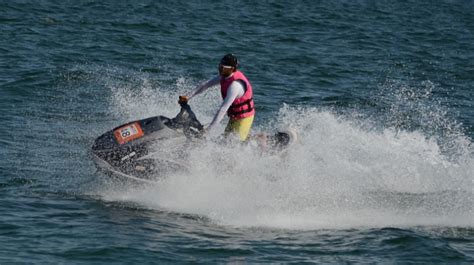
x: 132, y: 150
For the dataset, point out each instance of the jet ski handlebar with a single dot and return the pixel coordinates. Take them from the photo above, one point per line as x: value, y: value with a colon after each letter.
x: 188, y: 121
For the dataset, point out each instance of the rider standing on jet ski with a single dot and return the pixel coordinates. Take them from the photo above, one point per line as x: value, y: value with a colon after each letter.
x: 237, y: 94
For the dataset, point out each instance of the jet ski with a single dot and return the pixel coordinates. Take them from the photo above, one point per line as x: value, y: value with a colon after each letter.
x: 140, y: 150
x: 152, y: 148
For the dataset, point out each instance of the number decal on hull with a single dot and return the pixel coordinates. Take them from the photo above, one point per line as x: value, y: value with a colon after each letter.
x: 128, y: 133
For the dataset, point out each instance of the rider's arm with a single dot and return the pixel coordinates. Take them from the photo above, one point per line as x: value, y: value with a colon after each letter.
x: 236, y: 90
x: 202, y: 87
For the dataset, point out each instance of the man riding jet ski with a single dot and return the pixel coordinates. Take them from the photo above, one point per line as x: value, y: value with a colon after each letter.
x: 141, y: 150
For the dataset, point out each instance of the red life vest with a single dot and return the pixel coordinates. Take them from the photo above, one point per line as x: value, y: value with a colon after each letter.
x: 242, y: 107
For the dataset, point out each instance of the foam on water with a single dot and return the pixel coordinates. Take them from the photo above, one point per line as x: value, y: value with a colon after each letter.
x: 342, y: 173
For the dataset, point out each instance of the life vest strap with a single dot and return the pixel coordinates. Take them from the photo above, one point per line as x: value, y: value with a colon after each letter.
x: 247, y: 102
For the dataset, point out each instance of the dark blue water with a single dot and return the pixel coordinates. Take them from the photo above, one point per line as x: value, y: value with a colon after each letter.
x: 380, y: 91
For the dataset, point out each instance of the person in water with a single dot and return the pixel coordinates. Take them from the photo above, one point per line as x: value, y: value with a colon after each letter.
x: 237, y: 94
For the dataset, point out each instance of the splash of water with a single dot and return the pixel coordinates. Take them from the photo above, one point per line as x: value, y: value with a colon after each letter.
x: 341, y: 174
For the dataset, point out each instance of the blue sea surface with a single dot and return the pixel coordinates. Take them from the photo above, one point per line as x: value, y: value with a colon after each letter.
x: 381, y: 93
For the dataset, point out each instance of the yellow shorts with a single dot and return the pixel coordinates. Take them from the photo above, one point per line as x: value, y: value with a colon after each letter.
x: 240, y: 127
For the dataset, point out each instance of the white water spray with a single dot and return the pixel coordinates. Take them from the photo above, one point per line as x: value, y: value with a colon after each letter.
x: 340, y: 175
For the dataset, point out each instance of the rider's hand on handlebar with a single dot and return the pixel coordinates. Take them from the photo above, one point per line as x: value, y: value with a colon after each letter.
x: 183, y: 99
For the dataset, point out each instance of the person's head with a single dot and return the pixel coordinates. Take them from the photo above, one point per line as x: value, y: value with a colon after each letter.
x: 228, y: 65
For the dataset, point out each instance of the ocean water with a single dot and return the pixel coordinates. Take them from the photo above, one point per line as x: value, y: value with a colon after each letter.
x: 381, y: 93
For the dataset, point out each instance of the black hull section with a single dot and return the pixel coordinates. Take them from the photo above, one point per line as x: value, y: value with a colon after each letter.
x: 129, y: 151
